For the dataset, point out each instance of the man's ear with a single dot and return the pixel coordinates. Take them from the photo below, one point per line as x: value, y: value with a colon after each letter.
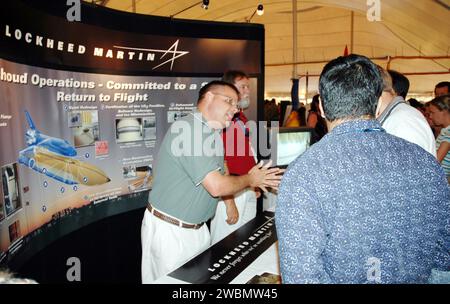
x: 322, y: 113
x: 378, y: 110
x: 384, y: 100
x: 209, y: 96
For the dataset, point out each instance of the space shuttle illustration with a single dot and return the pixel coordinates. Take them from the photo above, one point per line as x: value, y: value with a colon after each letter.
x: 54, y: 157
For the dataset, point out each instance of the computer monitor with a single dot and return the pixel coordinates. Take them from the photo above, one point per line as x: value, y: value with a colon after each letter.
x: 286, y: 144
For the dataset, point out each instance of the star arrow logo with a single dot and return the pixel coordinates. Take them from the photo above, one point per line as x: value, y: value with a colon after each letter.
x: 173, y: 52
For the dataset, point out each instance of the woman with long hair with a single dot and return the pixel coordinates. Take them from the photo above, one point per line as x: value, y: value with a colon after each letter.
x: 315, y: 120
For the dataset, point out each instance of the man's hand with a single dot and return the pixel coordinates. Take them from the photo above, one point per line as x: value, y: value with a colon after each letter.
x: 263, y: 177
x: 232, y: 212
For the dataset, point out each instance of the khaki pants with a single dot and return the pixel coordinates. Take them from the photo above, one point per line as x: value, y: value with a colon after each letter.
x: 165, y: 246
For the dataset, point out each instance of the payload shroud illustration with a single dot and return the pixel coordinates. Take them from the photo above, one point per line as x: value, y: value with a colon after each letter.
x: 54, y: 157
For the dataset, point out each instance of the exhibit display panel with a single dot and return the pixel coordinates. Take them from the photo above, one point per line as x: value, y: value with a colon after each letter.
x: 84, y: 107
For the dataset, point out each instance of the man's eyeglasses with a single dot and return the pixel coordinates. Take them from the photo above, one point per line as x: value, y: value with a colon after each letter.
x: 244, y: 86
x: 228, y: 99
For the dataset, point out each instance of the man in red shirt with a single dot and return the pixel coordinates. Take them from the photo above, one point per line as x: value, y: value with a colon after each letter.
x: 236, y: 210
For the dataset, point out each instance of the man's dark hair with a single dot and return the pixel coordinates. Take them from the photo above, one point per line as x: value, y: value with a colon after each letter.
x: 400, y: 83
x: 443, y: 84
x: 415, y: 103
x: 232, y: 75
x: 350, y: 87
x: 212, y: 85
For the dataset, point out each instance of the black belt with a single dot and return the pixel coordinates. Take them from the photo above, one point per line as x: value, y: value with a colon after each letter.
x: 172, y: 220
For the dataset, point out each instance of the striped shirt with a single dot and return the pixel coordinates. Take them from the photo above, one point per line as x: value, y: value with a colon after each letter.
x: 444, y: 136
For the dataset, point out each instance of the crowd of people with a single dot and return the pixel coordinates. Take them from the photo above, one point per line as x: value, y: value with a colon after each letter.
x: 368, y: 203
x: 408, y: 119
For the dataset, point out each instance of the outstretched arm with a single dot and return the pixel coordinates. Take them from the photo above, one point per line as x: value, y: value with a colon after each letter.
x: 259, y: 176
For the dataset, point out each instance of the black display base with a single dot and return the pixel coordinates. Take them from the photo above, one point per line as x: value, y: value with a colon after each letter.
x: 224, y: 261
x: 109, y: 251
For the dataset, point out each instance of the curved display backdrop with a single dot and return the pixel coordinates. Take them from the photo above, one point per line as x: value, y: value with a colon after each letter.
x: 84, y: 106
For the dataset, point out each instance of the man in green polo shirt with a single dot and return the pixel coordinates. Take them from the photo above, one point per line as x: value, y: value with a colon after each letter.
x: 189, y: 179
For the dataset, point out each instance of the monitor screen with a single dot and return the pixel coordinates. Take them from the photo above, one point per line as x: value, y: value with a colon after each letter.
x: 289, y: 143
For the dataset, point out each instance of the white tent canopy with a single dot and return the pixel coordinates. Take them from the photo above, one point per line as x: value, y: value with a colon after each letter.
x: 407, y: 30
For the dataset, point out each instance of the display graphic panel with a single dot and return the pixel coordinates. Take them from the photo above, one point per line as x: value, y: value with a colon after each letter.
x: 85, y: 105
x: 78, y: 139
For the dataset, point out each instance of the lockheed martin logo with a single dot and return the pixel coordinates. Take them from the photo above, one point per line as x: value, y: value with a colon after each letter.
x: 141, y: 54
x: 117, y: 52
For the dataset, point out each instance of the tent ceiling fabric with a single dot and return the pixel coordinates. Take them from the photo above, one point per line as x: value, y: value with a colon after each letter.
x: 407, y: 28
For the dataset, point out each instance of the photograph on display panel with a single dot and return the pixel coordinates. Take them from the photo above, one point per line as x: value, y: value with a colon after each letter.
x: 129, y: 129
x: 10, y: 188
x: 85, y: 127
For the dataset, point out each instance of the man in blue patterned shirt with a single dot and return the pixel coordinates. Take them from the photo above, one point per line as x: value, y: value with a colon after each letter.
x: 361, y: 205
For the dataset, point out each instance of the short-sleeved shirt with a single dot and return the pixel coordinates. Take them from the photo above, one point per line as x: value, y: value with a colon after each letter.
x: 444, y: 136
x: 402, y: 120
x: 190, y: 150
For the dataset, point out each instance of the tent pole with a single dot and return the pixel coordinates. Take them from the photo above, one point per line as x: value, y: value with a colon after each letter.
x: 371, y: 58
x: 352, y: 30
x: 294, y: 38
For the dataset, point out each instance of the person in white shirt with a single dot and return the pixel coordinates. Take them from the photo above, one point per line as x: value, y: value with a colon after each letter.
x: 400, y: 119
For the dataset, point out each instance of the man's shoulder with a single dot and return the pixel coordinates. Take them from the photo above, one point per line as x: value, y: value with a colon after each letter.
x: 417, y: 157
x: 184, y: 123
x: 189, y: 118
x: 179, y: 130
x: 302, y: 164
x: 446, y: 132
x: 408, y: 123
x: 404, y: 111
x: 410, y: 139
